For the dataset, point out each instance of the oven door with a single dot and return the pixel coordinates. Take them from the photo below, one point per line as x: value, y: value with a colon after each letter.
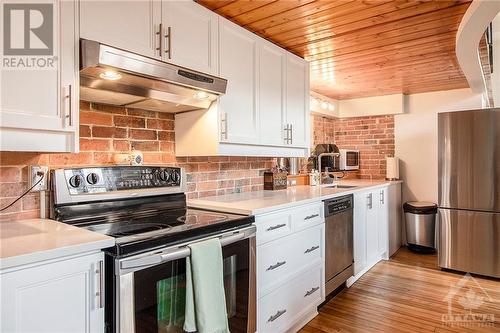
x: 151, y: 287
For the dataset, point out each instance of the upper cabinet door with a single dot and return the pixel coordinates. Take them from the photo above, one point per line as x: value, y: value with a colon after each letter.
x: 272, y: 65
x: 238, y: 64
x: 129, y: 25
x: 48, y: 119
x: 297, y: 100
x: 190, y: 36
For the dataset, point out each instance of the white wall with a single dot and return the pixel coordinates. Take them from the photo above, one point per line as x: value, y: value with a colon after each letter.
x: 495, y: 78
x: 416, y: 139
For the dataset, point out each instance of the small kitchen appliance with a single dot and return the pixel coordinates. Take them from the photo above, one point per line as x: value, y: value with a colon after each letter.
x: 349, y: 159
x: 144, y: 208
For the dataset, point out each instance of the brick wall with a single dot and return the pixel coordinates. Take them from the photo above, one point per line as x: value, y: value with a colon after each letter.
x: 373, y: 136
x: 106, y: 131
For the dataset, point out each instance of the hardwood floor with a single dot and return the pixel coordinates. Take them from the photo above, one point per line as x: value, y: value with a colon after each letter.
x: 409, y: 294
x: 405, y: 256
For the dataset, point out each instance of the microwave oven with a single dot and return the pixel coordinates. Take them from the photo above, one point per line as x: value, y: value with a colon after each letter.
x: 349, y: 159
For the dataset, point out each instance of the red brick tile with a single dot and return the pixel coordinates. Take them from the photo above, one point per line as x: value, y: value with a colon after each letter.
x: 121, y: 145
x: 141, y: 113
x: 140, y: 134
x: 85, y: 131
x: 110, y: 108
x: 161, y: 124
x: 127, y: 121
x: 95, y: 118
x: 166, y: 115
x: 145, y: 145
x: 109, y: 132
x: 166, y: 136
x: 70, y: 159
x: 94, y: 144
x: 10, y: 174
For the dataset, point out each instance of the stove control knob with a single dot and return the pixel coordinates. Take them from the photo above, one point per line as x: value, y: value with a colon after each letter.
x: 175, y: 176
x: 92, y: 178
x: 75, y: 181
x: 163, y: 175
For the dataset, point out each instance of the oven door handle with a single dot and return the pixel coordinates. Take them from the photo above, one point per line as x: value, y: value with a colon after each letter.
x: 176, y: 253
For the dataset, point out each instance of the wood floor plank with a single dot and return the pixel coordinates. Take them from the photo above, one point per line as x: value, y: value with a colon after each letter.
x: 408, y: 294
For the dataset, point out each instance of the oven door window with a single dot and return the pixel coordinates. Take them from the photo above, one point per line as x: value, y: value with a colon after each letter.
x: 352, y: 158
x: 160, y: 292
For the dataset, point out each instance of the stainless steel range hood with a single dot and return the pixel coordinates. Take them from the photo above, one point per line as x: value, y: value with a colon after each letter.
x: 113, y: 76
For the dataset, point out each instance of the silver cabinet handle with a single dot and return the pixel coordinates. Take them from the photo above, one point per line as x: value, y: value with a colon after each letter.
x: 276, y: 265
x: 100, y: 292
x: 277, y: 226
x: 311, y: 216
x: 291, y: 134
x: 158, y: 36
x: 69, y: 96
x: 369, y: 201
x: 286, y: 135
x: 312, y: 291
x: 276, y: 315
x: 223, y: 125
x: 168, y: 42
x: 313, y: 248
x: 382, y: 197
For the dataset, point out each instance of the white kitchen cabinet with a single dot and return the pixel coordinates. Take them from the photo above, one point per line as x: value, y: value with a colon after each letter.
x: 238, y: 108
x: 265, y: 110
x: 383, y: 222
x: 130, y: 25
x: 377, y: 227
x: 271, y: 102
x: 47, y: 121
x: 179, y: 32
x: 359, y: 231
x: 290, y: 267
x: 297, y: 101
x: 190, y: 35
x: 56, y: 296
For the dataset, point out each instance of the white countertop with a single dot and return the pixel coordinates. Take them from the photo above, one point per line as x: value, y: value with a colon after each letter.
x: 30, y: 241
x: 260, y: 202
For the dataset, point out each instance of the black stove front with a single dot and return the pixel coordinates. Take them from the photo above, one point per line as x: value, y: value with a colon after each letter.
x: 141, y: 224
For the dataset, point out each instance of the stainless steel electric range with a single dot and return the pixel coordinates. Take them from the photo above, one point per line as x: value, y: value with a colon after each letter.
x: 144, y: 208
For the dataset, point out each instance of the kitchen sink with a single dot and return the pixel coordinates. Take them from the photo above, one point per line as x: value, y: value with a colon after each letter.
x: 341, y: 186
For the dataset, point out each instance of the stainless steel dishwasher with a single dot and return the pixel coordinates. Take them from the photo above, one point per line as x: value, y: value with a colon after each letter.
x: 339, y: 256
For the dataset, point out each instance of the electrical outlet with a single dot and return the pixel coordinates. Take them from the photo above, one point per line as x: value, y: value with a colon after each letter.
x: 34, y: 177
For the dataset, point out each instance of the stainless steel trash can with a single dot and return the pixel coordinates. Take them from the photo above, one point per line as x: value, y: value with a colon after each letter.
x: 420, y: 222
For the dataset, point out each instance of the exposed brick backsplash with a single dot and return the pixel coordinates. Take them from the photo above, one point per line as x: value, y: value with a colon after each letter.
x: 373, y: 136
x: 106, y: 131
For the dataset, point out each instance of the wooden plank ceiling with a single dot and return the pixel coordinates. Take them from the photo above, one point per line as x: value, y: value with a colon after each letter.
x: 361, y: 48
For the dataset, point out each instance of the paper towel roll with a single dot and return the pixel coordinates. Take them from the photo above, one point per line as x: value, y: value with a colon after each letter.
x: 392, y: 172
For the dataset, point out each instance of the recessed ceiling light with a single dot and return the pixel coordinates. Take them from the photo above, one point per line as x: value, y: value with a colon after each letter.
x: 201, y: 94
x: 110, y: 75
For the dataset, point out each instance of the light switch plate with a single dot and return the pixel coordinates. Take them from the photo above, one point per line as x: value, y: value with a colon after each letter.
x: 33, y: 177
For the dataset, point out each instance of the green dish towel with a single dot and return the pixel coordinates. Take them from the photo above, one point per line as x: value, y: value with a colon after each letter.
x: 205, y: 299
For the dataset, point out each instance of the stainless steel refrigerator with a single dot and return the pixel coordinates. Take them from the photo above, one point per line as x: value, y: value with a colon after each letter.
x: 469, y: 191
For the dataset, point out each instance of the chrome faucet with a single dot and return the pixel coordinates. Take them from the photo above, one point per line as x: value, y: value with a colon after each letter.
x: 334, y: 155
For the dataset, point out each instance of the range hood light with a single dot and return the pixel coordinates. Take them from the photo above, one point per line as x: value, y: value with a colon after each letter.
x: 324, y: 105
x: 110, y: 75
x: 200, y: 94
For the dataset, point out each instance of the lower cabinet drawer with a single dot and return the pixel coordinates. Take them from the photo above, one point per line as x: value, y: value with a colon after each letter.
x: 279, y: 260
x: 278, y: 311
